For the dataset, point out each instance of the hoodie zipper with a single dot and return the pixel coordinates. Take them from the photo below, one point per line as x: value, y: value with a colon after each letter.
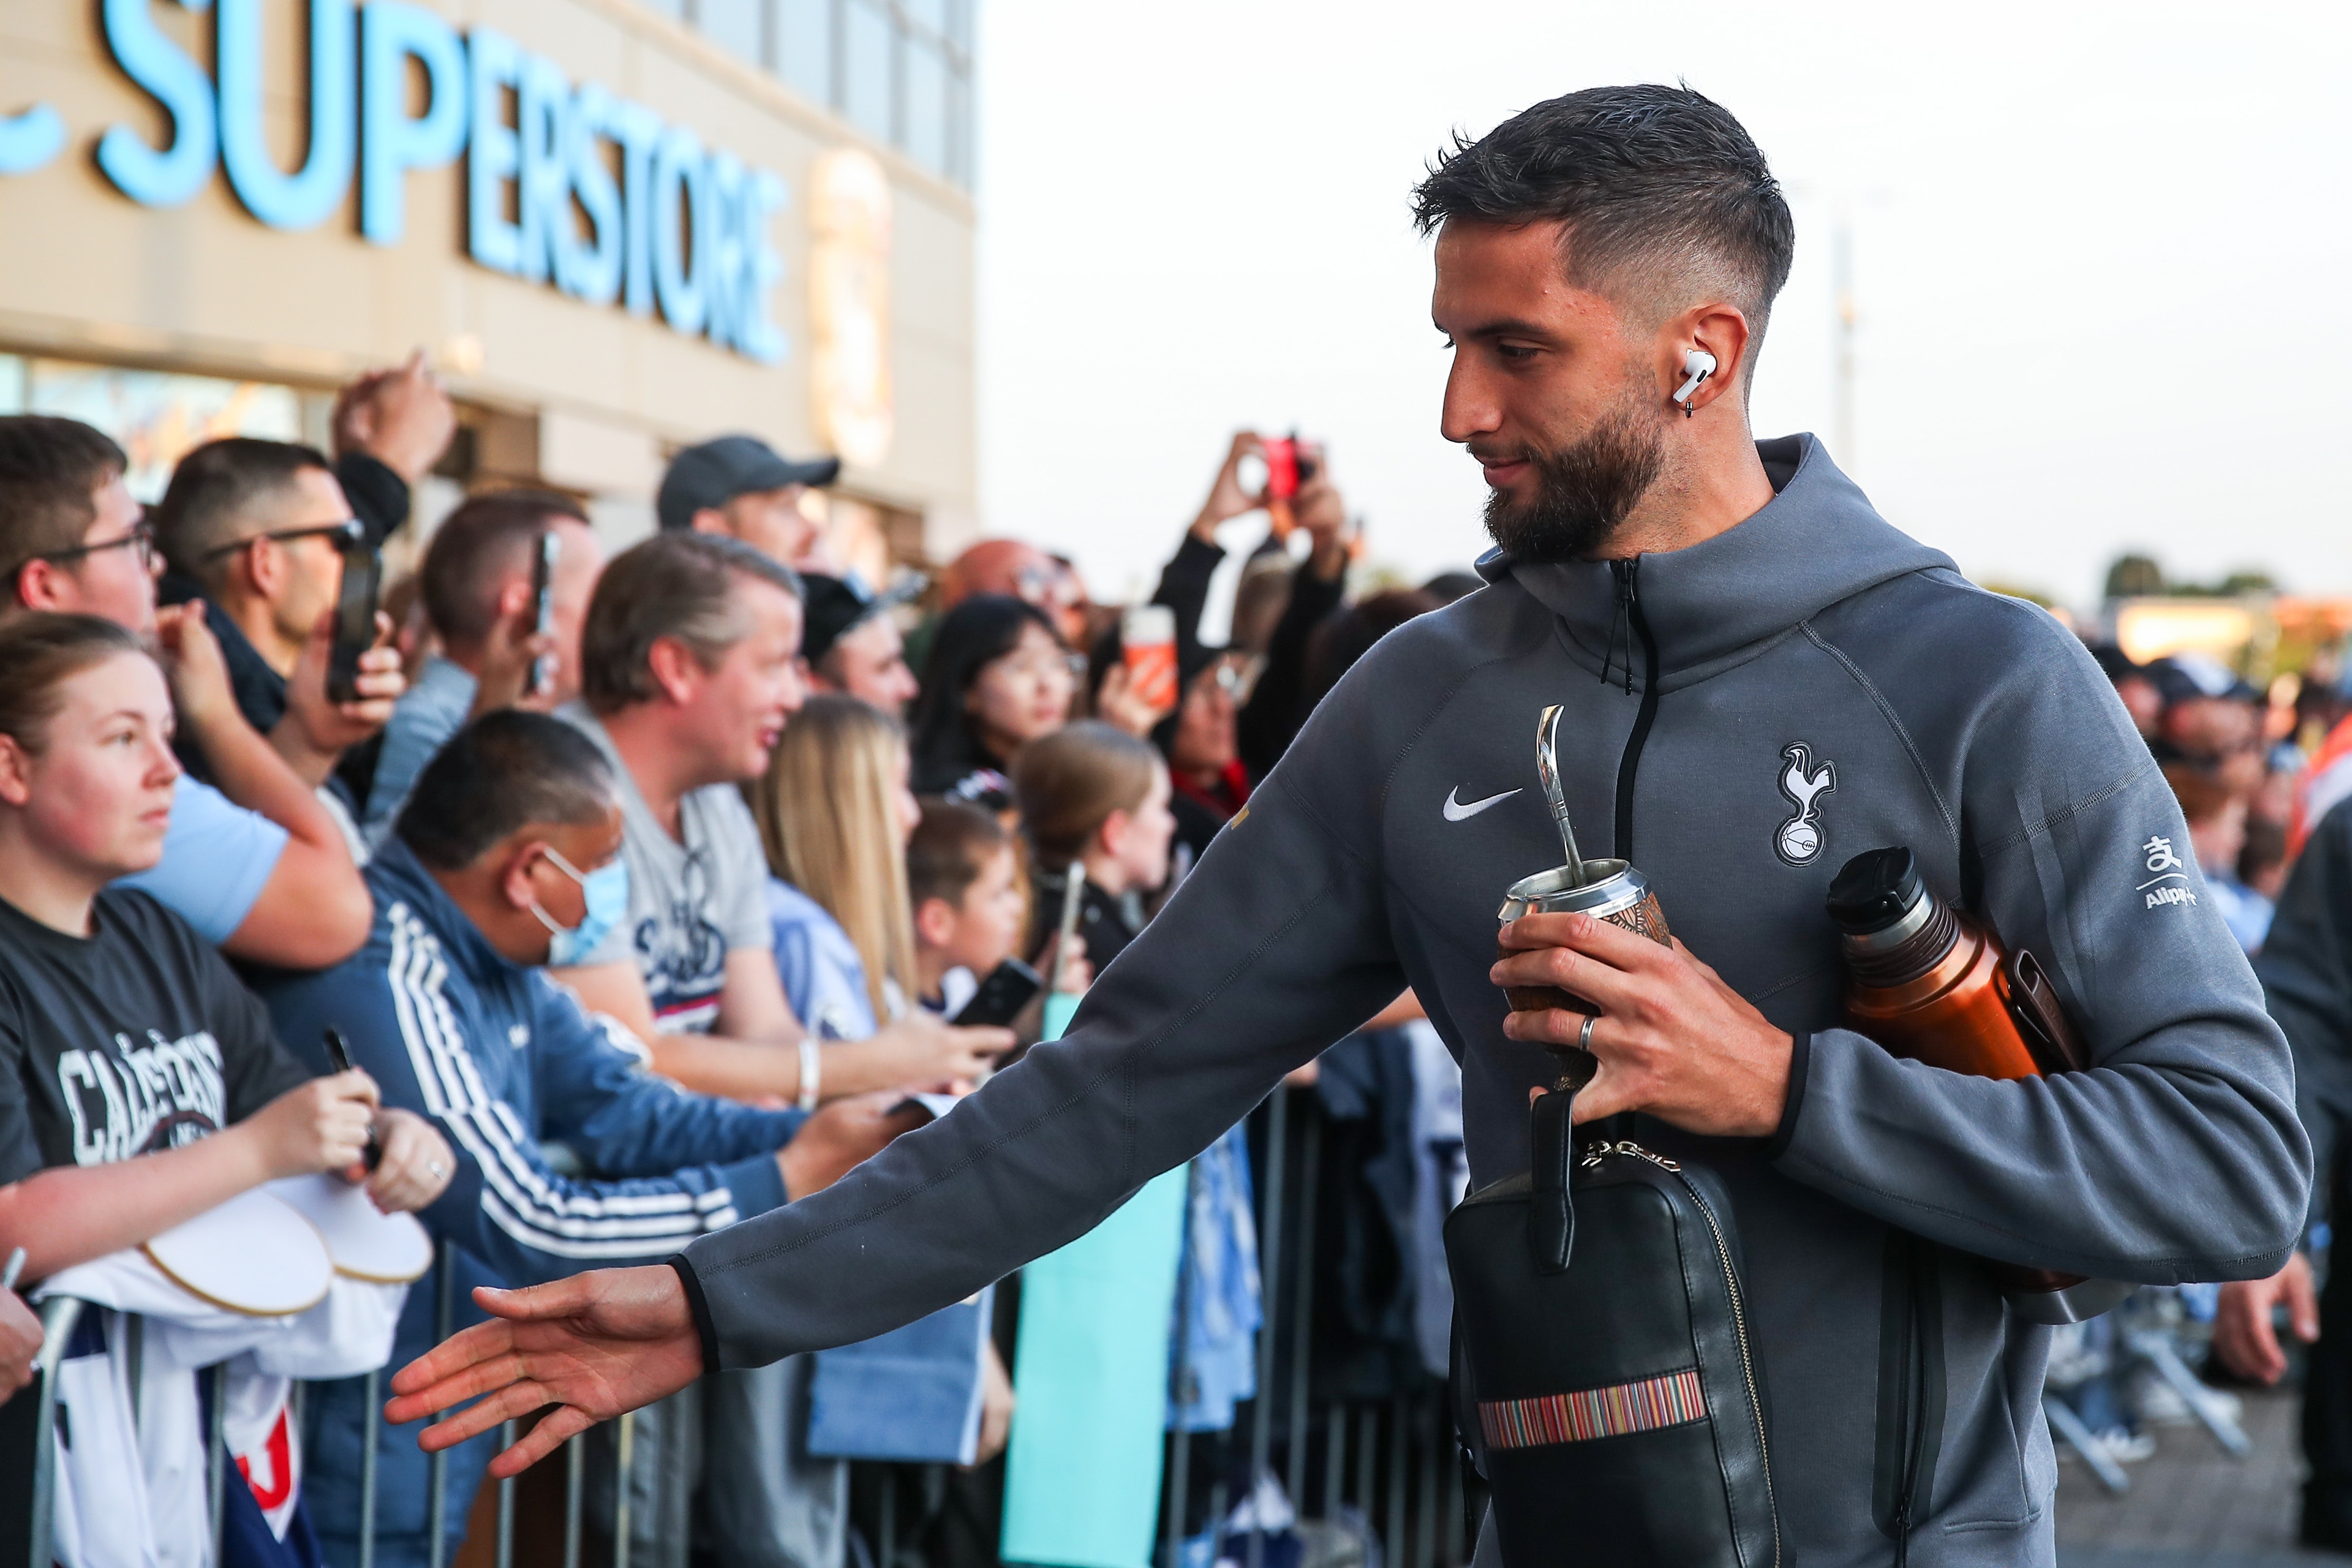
x: 1626, y: 1146
x: 1628, y: 610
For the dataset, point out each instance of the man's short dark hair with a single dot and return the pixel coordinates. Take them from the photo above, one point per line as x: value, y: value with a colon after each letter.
x: 477, y: 549
x: 215, y: 488
x: 504, y: 772
x: 50, y: 471
x: 1653, y: 182
x: 677, y: 585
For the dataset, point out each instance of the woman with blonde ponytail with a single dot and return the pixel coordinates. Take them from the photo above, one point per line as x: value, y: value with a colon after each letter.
x: 835, y: 815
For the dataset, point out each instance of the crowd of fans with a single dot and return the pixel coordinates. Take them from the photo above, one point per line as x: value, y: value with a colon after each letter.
x: 640, y: 892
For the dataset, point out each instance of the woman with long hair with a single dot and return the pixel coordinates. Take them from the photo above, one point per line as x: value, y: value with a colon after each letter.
x: 998, y: 677
x: 834, y: 814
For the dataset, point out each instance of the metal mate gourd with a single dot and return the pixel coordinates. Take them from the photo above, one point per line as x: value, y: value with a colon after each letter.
x: 1610, y: 891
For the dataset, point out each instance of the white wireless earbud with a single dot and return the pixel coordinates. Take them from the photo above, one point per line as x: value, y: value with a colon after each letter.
x: 1697, y: 364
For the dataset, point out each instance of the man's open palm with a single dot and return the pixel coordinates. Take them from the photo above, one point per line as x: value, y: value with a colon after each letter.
x: 595, y: 1344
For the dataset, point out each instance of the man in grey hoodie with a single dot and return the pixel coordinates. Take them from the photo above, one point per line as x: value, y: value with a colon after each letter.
x: 1762, y: 678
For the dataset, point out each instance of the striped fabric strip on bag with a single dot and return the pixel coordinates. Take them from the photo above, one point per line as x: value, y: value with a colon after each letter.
x: 1642, y: 1406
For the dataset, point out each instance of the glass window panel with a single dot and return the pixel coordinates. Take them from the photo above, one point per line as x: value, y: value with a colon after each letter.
x: 733, y: 26
x: 929, y: 13
x: 927, y: 106
x: 959, y: 20
x: 806, y: 45
x: 669, y: 7
x: 961, y: 155
x: 869, y: 84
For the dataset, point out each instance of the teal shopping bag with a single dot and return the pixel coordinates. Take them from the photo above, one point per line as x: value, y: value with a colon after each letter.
x: 1082, y: 1479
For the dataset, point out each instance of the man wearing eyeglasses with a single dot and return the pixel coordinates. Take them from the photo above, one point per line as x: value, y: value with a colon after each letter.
x: 261, y: 530
x: 256, y: 865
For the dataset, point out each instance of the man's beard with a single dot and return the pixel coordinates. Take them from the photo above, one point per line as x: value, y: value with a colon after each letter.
x: 1583, y: 493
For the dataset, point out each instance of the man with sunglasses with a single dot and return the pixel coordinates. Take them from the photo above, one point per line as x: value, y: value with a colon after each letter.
x: 261, y: 530
x: 256, y: 865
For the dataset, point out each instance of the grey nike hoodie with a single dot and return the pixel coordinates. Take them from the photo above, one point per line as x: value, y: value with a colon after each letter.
x: 1973, y: 728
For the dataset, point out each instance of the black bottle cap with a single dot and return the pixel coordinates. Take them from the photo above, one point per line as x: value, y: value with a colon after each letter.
x: 1875, y: 889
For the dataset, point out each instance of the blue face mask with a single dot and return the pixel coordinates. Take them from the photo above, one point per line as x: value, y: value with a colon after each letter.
x: 606, y: 889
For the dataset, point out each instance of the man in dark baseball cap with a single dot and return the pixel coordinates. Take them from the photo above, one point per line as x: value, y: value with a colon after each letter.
x: 742, y: 486
x: 852, y: 643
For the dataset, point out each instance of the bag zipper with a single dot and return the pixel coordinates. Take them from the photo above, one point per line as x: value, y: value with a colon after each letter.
x: 1626, y: 1146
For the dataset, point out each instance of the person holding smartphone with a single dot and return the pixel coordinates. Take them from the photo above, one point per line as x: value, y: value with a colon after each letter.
x: 260, y: 531
x: 485, y: 588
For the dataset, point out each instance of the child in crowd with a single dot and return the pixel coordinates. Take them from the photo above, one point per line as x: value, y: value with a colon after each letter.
x: 1096, y: 796
x: 964, y: 877
x: 140, y: 1085
x: 835, y: 815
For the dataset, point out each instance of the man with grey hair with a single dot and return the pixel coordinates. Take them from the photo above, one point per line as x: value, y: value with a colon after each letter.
x: 689, y: 669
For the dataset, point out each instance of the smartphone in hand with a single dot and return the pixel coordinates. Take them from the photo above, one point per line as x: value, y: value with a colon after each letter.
x: 542, y: 609
x: 354, y: 622
x: 1001, y: 997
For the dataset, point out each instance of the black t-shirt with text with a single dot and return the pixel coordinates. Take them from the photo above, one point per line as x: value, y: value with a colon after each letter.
x: 137, y: 1039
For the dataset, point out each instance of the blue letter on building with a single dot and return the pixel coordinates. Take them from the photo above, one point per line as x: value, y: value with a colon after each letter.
x: 150, y: 177
x: 391, y: 32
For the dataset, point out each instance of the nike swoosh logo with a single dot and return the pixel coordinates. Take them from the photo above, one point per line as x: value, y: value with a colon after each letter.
x: 1457, y: 811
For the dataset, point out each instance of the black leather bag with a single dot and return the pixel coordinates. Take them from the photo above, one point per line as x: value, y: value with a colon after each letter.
x: 1608, y: 1381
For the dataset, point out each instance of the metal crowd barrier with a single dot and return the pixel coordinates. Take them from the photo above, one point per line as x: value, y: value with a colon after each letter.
x: 1389, y: 1469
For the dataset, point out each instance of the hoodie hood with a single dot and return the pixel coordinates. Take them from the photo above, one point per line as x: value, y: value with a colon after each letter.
x: 1816, y: 542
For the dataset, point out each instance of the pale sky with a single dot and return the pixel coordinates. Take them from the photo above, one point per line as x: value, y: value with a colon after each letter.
x: 2100, y: 254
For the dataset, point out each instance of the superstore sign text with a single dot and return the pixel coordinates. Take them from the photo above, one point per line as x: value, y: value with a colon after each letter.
x: 678, y: 226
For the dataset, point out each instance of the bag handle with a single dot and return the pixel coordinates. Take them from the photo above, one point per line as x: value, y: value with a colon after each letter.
x: 1551, y: 1210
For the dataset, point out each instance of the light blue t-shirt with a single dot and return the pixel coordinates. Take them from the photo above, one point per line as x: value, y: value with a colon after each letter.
x: 428, y: 714
x: 825, y: 980
x: 218, y: 856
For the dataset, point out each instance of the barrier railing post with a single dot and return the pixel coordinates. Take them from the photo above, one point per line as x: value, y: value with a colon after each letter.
x: 373, y: 1425
x: 505, y: 1502
x: 624, y: 1435
x: 1399, y: 1435
x: 575, y: 1479
x: 444, y: 1313
x: 59, y: 1316
x: 217, y: 1456
x: 1302, y: 1320
x: 1179, y: 1379
x: 1278, y: 1122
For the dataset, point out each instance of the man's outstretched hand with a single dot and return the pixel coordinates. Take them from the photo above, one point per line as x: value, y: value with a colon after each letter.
x: 596, y: 1345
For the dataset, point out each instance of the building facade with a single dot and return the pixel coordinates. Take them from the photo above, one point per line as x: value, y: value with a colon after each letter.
x: 615, y: 227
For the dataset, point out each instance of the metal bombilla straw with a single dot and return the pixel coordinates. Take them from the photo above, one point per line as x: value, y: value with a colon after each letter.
x: 1547, y: 770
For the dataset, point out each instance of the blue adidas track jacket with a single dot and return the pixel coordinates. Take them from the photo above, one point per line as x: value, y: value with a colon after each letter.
x: 503, y: 1059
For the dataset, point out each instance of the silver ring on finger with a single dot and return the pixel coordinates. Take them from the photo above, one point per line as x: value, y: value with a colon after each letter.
x: 1584, y: 1033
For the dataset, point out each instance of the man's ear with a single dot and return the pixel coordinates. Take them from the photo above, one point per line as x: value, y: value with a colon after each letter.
x: 711, y: 520
x: 37, y: 585
x: 935, y: 922
x: 15, y: 773
x: 514, y: 873
x: 1718, y: 328
x: 675, y: 669
x: 260, y: 566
